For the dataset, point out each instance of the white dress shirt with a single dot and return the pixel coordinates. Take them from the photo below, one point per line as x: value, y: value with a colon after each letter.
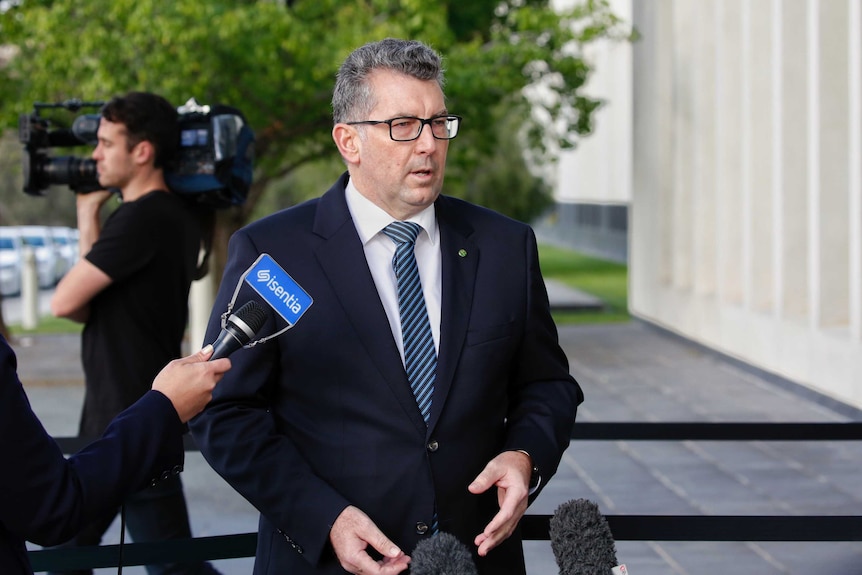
x: 370, y: 220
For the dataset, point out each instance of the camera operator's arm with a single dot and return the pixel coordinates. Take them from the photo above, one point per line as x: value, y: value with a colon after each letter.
x: 89, y: 207
x: 73, y: 294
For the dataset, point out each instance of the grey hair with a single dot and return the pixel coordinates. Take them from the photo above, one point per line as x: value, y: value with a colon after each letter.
x: 352, y: 98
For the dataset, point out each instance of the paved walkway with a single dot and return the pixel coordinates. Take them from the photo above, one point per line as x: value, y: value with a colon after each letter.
x: 630, y: 373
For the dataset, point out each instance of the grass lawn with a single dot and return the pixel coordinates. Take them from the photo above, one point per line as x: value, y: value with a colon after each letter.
x: 604, y: 279
x: 48, y: 324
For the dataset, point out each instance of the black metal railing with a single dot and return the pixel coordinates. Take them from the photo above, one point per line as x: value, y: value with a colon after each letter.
x: 535, y: 527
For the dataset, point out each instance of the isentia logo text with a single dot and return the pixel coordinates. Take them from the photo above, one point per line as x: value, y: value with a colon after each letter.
x: 288, y: 299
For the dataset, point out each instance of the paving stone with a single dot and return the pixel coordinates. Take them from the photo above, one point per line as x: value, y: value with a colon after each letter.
x: 630, y: 373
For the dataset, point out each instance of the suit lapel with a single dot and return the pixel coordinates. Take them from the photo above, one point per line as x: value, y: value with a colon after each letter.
x: 342, y: 259
x: 460, y: 259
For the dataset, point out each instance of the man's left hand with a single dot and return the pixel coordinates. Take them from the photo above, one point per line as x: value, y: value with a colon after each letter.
x: 510, y: 473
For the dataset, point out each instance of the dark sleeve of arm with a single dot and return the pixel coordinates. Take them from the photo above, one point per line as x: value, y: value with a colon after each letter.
x: 545, y: 395
x: 125, y: 244
x: 47, y: 498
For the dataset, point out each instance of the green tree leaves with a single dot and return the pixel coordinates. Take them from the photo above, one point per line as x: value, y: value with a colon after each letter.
x: 276, y: 62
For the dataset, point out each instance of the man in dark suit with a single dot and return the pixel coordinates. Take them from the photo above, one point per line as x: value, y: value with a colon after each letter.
x: 46, y: 498
x: 321, y: 428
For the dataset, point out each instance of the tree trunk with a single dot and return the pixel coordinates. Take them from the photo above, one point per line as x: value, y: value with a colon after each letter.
x: 227, y: 222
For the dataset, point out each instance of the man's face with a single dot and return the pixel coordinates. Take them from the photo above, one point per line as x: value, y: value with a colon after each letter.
x: 113, y: 159
x: 402, y: 178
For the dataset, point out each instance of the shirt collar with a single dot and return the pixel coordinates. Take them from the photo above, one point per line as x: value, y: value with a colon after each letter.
x: 370, y: 219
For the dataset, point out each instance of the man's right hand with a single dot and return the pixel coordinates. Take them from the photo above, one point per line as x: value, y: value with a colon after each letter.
x: 352, y: 533
x: 88, y: 207
x: 92, y: 200
x: 189, y: 382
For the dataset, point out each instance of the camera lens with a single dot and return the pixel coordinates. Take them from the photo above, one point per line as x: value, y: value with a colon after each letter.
x: 77, y: 173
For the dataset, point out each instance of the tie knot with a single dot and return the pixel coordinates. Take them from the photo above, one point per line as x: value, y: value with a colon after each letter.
x: 402, y: 232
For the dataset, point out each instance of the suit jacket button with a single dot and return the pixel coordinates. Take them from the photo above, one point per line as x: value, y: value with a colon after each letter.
x: 433, y: 445
x: 421, y: 528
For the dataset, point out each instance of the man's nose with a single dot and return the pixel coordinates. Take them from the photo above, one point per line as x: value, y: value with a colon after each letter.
x: 426, y: 140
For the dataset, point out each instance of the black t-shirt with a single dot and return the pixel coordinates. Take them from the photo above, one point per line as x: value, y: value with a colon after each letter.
x: 149, y: 247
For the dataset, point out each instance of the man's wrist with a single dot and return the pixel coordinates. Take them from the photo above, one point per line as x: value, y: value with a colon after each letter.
x: 535, y: 474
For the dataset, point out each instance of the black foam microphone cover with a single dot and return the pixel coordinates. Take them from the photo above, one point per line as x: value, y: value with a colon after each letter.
x: 442, y: 554
x: 581, y: 539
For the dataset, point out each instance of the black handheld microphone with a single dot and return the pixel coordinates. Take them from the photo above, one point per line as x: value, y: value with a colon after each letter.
x: 582, y: 541
x: 442, y: 554
x: 239, y: 329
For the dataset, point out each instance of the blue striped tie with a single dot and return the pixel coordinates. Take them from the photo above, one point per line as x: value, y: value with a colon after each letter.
x: 420, y: 358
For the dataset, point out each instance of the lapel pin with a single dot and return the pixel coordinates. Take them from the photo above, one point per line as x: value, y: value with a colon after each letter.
x: 462, y: 252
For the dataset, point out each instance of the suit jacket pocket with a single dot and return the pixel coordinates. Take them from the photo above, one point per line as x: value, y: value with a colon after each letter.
x: 487, y: 334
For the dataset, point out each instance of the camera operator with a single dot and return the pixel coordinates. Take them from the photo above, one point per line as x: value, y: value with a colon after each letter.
x: 130, y: 289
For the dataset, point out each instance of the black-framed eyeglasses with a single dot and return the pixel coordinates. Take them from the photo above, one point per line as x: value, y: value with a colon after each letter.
x: 407, y: 128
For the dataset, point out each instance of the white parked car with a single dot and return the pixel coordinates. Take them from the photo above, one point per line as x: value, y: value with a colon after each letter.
x: 49, y: 265
x: 11, y: 260
x: 67, y: 247
x: 73, y: 236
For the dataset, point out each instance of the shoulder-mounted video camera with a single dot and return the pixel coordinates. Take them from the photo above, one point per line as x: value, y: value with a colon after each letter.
x: 214, y: 164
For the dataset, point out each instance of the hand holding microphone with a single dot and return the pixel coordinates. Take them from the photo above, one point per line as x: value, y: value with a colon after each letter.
x: 189, y: 382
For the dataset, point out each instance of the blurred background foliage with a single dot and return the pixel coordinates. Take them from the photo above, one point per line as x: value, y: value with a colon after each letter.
x: 276, y: 61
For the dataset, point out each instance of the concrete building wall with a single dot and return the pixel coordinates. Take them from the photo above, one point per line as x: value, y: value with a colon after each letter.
x: 745, y: 224
x: 598, y: 171
x: 593, y: 183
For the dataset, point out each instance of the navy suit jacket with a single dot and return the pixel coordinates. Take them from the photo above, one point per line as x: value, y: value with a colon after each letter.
x: 46, y: 498
x: 323, y: 417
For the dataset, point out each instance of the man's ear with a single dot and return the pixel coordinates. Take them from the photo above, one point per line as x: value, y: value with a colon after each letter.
x: 348, y: 142
x: 144, y: 152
